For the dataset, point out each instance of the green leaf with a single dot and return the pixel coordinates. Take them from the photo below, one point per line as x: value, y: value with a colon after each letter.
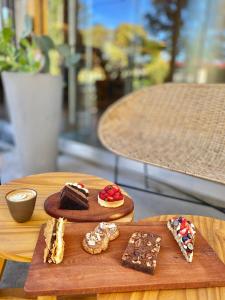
x: 7, y: 34
x: 25, y: 43
x: 71, y: 60
x: 64, y: 49
x: 44, y: 42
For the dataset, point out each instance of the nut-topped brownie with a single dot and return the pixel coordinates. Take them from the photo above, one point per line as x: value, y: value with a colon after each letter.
x: 142, y: 251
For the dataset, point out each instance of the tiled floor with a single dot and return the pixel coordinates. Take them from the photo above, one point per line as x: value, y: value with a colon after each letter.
x: 101, y: 163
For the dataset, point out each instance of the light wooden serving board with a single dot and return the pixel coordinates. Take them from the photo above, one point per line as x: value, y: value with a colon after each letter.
x: 95, y: 212
x: 83, y: 273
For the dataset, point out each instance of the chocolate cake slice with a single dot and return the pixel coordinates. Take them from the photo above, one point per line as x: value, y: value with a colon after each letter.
x: 74, y: 197
x: 141, y: 252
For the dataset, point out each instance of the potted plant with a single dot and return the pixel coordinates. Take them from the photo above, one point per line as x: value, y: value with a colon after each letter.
x: 32, y: 84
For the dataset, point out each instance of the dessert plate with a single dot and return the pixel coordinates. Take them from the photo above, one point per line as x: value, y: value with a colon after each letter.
x: 83, y: 273
x: 95, y: 213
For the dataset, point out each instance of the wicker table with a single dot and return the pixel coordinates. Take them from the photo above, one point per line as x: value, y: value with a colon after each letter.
x: 175, y: 126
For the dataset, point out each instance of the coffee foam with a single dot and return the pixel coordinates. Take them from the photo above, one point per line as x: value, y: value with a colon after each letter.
x: 21, y: 195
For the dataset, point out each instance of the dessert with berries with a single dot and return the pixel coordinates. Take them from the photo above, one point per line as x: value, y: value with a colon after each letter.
x: 184, y: 233
x: 74, y: 196
x: 111, y: 196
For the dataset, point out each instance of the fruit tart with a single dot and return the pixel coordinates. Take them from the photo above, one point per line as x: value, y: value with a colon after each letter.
x: 111, y: 196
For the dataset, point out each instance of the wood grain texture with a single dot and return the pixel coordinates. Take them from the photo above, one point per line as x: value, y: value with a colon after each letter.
x: 19, y: 294
x: 13, y: 294
x: 213, y: 230
x: 104, y: 273
x: 46, y: 298
x: 2, y: 266
x: 18, y: 239
x: 95, y: 212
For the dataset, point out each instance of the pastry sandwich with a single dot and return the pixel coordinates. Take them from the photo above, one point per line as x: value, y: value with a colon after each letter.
x: 53, y: 233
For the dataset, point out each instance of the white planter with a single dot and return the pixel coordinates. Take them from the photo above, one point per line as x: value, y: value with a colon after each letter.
x: 34, y: 102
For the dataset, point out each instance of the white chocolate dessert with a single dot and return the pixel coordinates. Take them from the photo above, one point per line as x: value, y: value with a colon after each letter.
x: 111, y: 229
x: 95, y: 242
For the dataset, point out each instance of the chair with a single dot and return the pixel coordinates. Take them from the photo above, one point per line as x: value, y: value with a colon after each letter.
x: 179, y: 127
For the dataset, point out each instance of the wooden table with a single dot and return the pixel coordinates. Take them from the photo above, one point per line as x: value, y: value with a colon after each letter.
x: 18, y: 240
x: 213, y: 231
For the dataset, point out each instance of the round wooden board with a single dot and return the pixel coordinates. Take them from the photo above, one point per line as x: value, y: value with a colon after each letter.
x: 95, y: 213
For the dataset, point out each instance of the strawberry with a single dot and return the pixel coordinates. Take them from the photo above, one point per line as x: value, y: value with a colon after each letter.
x: 184, y: 231
x: 121, y: 196
x: 117, y: 196
x: 111, y: 192
x: 102, y: 195
x: 110, y: 198
x: 81, y: 185
x: 107, y: 188
x: 116, y: 188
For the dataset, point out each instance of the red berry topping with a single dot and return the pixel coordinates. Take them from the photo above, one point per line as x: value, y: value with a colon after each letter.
x: 81, y: 184
x: 184, y: 231
x: 111, y: 193
x: 117, y: 196
x: 116, y: 188
x: 107, y: 188
x: 102, y: 195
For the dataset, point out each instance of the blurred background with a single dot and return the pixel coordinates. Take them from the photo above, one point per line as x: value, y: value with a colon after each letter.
x: 123, y: 45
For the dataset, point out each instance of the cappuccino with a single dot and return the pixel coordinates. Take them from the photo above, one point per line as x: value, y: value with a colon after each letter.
x: 21, y: 195
x: 21, y: 204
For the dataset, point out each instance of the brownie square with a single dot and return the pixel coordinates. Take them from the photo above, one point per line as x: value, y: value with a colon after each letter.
x: 142, y: 251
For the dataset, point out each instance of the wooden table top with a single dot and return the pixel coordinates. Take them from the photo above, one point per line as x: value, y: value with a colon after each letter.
x: 19, y: 239
x: 213, y: 230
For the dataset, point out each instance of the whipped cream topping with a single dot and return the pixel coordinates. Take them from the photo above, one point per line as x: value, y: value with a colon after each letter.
x: 77, y: 185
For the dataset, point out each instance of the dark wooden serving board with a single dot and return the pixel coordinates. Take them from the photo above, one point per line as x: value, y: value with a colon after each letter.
x: 83, y: 273
x: 95, y: 213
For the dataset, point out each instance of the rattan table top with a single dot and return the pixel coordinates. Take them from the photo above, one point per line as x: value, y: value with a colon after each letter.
x: 180, y: 127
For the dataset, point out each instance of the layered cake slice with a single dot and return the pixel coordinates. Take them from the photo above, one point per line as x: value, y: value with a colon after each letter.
x: 184, y: 233
x: 142, y: 251
x: 74, y: 196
